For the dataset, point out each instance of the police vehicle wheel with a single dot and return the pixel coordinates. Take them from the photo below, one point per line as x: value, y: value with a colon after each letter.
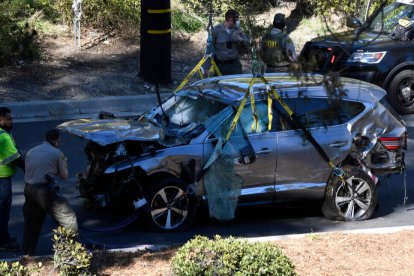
x: 401, y: 92
x: 171, y: 208
x: 352, y: 199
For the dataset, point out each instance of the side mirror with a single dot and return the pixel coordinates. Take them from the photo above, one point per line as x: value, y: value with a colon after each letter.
x: 352, y: 22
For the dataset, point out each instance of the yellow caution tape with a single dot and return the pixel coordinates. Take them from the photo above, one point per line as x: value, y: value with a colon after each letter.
x: 159, y: 11
x: 253, y: 106
x: 192, y: 72
x: 213, y: 62
x: 239, y: 111
x: 278, y: 98
x: 159, y: 32
x: 200, y: 72
x: 196, y: 69
x: 269, y: 110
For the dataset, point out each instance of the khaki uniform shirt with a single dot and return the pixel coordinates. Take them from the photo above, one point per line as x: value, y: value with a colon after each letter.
x: 41, y: 160
x: 227, y: 42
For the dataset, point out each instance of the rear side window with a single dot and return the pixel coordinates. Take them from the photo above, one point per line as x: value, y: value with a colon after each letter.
x: 317, y: 112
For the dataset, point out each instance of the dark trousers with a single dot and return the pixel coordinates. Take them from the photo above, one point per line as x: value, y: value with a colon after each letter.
x: 5, y: 206
x: 230, y: 68
x: 39, y: 201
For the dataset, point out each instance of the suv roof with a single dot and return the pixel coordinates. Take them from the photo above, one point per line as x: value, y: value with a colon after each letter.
x: 408, y: 2
x: 231, y: 89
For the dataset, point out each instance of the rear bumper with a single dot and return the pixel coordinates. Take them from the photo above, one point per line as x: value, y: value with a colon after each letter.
x: 389, y: 162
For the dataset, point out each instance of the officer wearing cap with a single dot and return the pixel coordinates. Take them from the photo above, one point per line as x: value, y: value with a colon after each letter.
x: 9, y: 159
x: 228, y: 37
x: 277, y: 49
x: 43, y: 164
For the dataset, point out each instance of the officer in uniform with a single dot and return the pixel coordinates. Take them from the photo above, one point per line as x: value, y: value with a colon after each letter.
x: 277, y: 49
x: 9, y: 159
x: 43, y: 164
x: 228, y: 37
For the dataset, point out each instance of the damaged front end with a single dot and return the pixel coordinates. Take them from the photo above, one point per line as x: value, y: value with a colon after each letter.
x: 126, y: 157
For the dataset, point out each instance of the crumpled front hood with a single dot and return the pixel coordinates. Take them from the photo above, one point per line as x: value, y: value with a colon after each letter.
x: 105, y: 132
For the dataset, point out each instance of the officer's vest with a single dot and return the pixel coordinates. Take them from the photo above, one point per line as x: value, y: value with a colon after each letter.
x: 6, y: 169
x: 273, y: 51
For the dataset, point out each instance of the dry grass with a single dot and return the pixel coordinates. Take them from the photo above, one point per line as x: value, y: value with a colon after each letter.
x: 324, y: 254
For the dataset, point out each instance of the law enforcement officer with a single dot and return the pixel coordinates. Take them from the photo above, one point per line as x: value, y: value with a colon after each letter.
x: 228, y: 37
x: 277, y: 49
x: 43, y: 164
x: 9, y: 159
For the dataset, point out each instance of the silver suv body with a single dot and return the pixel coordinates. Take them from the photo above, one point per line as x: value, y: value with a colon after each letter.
x: 167, y: 161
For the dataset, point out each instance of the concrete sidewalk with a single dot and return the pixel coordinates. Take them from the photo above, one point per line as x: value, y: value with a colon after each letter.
x: 70, y: 109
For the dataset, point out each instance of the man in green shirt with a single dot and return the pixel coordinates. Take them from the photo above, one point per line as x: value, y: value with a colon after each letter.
x: 9, y: 159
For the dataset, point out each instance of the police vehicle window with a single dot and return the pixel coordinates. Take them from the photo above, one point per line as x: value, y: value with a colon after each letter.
x: 314, y: 112
x: 246, y: 118
x: 387, y: 20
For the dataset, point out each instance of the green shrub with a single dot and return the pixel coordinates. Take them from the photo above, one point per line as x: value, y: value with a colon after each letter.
x: 183, y: 21
x: 70, y: 257
x: 14, y: 269
x: 17, y: 37
x: 121, y: 15
x: 231, y: 256
x: 349, y: 7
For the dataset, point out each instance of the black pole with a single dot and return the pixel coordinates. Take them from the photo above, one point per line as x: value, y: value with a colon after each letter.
x: 155, y: 65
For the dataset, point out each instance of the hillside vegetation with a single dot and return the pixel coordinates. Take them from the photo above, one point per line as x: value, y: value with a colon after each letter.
x: 23, y: 21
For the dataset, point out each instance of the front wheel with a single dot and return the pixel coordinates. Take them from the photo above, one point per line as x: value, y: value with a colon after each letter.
x: 171, y: 208
x: 352, y: 198
x: 401, y: 92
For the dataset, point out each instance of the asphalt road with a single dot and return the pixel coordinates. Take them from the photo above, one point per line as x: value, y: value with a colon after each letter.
x: 255, y: 221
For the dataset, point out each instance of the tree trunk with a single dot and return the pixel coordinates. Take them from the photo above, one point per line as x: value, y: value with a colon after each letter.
x: 155, y: 65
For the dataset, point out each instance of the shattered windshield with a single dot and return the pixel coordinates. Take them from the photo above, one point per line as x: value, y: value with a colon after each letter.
x: 386, y: 21
x: 188, y: 110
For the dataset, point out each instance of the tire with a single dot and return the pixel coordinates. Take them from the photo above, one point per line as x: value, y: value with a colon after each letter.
x: 401, y: 92
x: 166, y: 215
x: 345, y: 204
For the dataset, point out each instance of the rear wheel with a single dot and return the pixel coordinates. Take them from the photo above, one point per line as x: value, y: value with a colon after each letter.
x: 351, y: 199
x: 401, y: 92
x: 171, y: 208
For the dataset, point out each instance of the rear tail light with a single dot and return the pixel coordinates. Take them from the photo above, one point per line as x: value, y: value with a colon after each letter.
x: 394, y: 143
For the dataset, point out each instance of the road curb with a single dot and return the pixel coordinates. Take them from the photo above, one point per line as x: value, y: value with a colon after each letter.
x: 152, y: 247
x: 70, y: 109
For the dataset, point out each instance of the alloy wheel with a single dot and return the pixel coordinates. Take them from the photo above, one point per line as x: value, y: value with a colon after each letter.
x: 169, y: 207
x: 353, y: 198
x: 405, y: 92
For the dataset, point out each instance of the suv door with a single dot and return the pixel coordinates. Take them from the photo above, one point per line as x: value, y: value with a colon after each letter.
x: 301, y: 172
x: 258, y: 177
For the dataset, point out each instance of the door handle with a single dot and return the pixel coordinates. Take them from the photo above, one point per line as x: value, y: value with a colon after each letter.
x: 264, y: 151
x: 338, y: 144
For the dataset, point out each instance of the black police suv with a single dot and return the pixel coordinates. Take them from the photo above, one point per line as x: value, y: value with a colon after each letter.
x: 381, y: 53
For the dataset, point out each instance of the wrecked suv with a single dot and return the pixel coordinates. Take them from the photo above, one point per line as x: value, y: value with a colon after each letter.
x: 168, y: 161
x: 379, y: 52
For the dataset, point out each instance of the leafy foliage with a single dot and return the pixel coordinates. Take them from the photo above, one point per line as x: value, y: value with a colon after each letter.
x: 122, y: 15
x: 14, y: 269
x: 70, y: 257
x: 16, y: 37
x: 186, y: 22
x: 231, y: 256
x: 349, y: 7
